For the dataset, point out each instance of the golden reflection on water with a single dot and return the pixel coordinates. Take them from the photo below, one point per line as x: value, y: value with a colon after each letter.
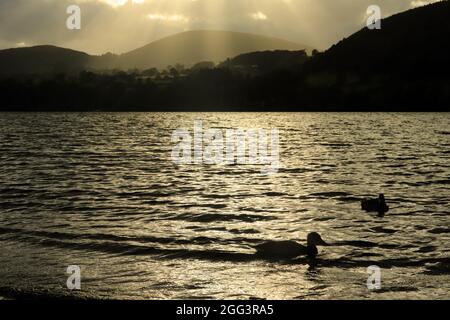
x: 100, y: 190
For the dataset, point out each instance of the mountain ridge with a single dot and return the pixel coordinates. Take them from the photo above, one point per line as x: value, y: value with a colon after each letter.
x: 402, y: 67
x: 195, y: 46
x: 185, y: 48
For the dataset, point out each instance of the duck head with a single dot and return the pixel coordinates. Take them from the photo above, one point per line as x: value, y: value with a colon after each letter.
x: 314, y: 239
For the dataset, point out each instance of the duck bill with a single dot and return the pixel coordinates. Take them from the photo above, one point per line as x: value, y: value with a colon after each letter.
x: 323, y: 243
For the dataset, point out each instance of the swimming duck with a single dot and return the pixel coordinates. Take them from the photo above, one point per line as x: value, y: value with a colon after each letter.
x: 291, y: 249
x: 375, y: 205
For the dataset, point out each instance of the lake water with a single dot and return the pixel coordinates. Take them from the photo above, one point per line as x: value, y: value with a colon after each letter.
x: 100, y: 191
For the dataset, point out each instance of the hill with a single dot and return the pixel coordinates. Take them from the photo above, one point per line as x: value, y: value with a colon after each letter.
x: 190, y: 47
x: 414, y: 41
x: 42, y: 59
x: 261, y: 62
x: 404, y: 65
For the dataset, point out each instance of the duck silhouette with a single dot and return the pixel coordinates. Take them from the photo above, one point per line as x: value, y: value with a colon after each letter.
x: 375, y: 205
x: 291, y: 249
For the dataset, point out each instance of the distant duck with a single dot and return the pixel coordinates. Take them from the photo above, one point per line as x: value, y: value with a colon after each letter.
x: 375, y: 205
x: 291, y: 249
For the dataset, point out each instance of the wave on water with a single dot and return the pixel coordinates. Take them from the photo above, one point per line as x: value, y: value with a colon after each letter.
x: 126, y: 246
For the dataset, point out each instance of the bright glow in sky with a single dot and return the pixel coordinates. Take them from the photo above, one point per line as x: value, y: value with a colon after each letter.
x: 123, y: 25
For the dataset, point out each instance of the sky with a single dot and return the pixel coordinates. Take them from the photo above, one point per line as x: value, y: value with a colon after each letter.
x: 121, y: 25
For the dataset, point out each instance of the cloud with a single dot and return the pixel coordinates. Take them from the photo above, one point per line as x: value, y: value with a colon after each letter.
x: 420, y: 3
x: 113, y: 3
x: 258, y: 16
x: 168, y: 17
